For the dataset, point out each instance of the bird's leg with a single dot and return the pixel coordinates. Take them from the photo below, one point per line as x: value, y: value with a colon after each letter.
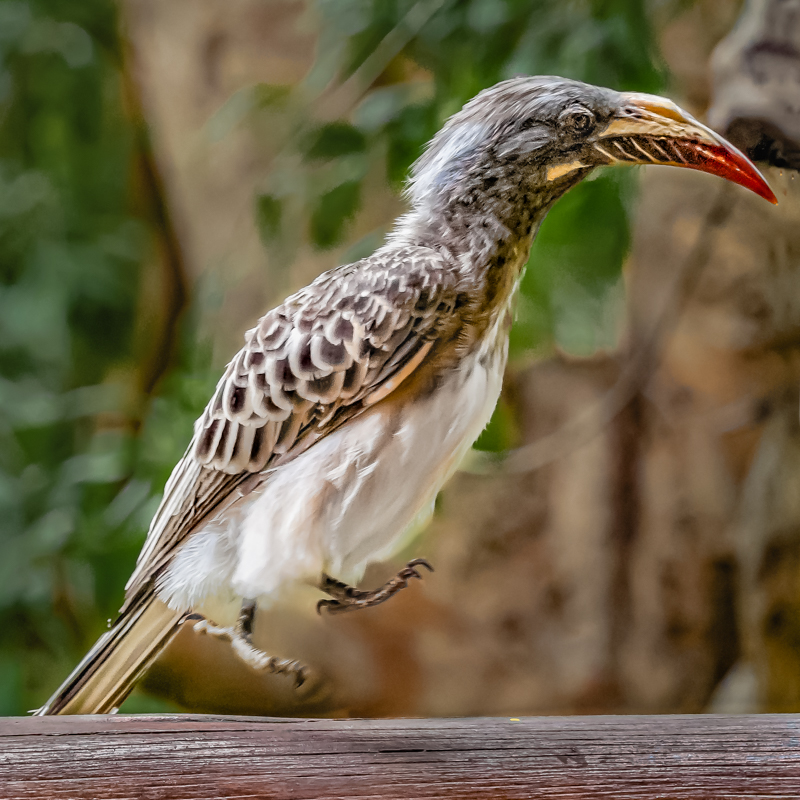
x: 244, y: 622
x: 240, y: 637
x: 347, y: 598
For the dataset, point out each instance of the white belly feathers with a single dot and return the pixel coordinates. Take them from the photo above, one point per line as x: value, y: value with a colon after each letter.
x: 349, y: 500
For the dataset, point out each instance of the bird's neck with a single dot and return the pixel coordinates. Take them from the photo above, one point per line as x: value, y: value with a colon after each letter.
x: 484, y: 227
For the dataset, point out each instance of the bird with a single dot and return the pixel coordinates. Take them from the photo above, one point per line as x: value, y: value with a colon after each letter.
x: 351, y: 403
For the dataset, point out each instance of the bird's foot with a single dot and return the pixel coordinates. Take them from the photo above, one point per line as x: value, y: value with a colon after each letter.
x: 239, y: 637
x: 346, y: 598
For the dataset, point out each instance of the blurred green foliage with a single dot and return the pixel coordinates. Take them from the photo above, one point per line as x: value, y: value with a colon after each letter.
x: 70, y: 255
x: 84, y: 451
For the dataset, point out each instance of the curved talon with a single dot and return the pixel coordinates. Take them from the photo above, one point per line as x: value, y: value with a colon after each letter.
x: 410, y: 573
x: 329, y: 604
x: 335, y: 607
x: 300, y: 676
x: 421, y: 562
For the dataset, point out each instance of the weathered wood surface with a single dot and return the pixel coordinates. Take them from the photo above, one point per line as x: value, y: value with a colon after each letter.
x: 537, y: 757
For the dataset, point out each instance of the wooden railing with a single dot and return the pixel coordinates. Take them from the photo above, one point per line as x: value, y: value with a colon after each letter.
x: 182, y: 757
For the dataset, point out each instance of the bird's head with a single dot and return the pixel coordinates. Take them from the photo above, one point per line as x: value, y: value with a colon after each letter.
x: 547, y: 133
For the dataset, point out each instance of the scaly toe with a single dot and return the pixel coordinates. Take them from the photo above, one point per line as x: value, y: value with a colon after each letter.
x: 204, y: 626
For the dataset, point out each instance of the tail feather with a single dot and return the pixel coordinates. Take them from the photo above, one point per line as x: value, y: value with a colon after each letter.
x: 109, y: 671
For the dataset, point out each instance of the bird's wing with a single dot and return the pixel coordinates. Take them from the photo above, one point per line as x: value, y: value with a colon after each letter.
x: 334, y: 348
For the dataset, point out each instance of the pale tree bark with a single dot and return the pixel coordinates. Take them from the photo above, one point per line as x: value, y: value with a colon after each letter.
x: 756, y: 82
x: 757, y: 103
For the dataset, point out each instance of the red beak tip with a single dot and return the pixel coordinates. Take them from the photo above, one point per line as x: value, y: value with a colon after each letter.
x: 727, y: 162
x: 763, y: 190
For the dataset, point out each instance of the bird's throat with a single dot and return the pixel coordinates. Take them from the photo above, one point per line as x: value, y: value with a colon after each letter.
x: 485, y: 226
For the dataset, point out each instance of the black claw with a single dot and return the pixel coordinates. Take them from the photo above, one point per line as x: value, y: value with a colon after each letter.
x: 299, y: 678
x: 420, y: 562
x: 329, y: 604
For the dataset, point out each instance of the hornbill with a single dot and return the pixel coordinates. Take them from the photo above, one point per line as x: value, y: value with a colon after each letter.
x: 335, y: 426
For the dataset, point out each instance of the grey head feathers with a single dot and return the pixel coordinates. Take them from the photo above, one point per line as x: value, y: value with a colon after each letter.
x: 511, y: 132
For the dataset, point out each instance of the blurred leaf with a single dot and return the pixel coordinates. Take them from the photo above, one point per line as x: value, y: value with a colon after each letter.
x: 271, y: 95
x: 502, y: 432
x: 332, y: 213
x: 10, y: 686
x: 333, y: 140
x: 578, y: 254
x: 268, y: 217
x: 485, y: 17
x: 407, y: 135
x: 382, y: 105
x: 65, y: 38
x: 243, y: 103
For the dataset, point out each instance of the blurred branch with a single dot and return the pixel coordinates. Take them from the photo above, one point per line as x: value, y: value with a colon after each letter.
x: 175, y: 289
x: 339, y: 98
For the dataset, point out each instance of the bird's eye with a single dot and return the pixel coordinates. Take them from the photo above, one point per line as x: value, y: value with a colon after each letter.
x: 577, y: 120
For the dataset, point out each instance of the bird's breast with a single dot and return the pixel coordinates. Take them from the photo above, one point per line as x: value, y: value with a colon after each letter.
x: 408, y: 447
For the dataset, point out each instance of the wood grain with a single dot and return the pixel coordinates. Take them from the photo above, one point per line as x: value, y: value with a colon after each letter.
x: 166, y: 758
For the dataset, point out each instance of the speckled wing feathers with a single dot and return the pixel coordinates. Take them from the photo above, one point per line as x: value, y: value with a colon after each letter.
x: 308, y: 366
x: 327, y: 347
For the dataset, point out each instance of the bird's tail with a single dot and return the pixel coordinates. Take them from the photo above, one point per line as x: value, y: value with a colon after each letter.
x: 110, y: 669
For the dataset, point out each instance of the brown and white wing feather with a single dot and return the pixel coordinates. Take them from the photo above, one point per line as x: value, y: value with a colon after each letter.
x: 335, y: 347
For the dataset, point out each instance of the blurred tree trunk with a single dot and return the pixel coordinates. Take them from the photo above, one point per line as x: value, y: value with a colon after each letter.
x: 194, y: 62
x: 757, y: 86
x: 637, y: 565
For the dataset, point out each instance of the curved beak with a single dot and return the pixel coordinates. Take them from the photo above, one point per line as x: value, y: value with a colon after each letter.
x: 649, y: 129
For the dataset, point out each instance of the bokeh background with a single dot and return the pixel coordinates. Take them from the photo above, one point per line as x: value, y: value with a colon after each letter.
x: 627, y: 538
